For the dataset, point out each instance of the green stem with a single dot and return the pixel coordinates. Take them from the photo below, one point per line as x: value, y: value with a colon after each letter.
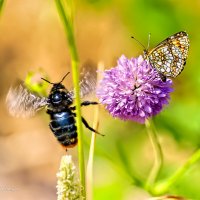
x: 89, y: 176
x: 163, y: 187
x: 126, y: 165
x: 158, y: 162
x: 75, y: 71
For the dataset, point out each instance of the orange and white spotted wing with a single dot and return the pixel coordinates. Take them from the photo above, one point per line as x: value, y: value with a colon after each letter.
x: 169, y: 57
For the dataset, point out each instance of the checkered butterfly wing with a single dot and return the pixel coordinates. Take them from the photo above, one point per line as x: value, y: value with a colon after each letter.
x: 169, y: 57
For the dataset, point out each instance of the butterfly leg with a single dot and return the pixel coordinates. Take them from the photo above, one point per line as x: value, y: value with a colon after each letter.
x: 163, y: 77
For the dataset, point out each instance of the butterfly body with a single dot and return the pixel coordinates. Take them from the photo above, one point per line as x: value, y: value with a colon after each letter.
x: 169, y: 56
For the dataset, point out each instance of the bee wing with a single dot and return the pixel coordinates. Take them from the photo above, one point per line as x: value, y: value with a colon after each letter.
x: 88, y: 79
x: 23, y: 103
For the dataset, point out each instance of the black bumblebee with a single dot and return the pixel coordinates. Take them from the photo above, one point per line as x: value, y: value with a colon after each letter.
x: 23, y: 103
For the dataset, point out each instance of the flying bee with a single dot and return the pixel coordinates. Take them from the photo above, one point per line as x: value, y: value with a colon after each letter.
x: 23, y: 103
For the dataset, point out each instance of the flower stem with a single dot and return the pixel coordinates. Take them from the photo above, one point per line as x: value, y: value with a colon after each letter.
x: 163, y: 187
x: 89, y: 175
x: 65, y: 15
x: 158, y: 162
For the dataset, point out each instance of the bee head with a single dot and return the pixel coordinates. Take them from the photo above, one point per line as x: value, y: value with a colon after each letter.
x: 59, y: 94
x: 57, y: 86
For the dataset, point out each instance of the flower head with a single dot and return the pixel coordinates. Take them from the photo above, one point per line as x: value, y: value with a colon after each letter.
x: 133, y: 90
x: 68, y: 184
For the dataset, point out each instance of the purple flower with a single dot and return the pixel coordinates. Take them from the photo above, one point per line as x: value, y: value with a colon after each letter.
x: 133, y: 90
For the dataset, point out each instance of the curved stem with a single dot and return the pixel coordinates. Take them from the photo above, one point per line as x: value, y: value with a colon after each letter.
x: 67, y: 22
x: 158, y: 162
x: 163, y: 187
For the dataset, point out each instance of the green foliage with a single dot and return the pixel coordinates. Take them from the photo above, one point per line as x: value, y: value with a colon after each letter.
x: 126, y: 143
x: 35, y: 84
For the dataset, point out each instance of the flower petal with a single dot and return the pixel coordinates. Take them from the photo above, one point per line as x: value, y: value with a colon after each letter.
x: 133, y: 90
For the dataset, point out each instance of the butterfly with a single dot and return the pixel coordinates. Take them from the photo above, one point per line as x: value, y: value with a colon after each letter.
x: 169, y: 56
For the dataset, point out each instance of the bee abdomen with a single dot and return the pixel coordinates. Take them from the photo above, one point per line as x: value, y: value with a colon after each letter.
x: 63, y: 126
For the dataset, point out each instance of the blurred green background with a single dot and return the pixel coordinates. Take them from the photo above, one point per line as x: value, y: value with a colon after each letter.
x: 32, y: 38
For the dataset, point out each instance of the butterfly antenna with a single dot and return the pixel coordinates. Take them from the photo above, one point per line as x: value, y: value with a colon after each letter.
x: 149, y: 37
x: 138, y: 42
x: 64, y: 77
x: 47, y: 81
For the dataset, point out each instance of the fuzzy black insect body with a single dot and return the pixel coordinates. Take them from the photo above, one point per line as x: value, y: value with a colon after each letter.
x: 23, y: 103
x: 62, y: 122
x: 63, y: 126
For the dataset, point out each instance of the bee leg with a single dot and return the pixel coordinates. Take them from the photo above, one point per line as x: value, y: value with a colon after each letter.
x: 87, y: 103
x: 85, y: 122
x: 72, y: 108
x: 90, y: 128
